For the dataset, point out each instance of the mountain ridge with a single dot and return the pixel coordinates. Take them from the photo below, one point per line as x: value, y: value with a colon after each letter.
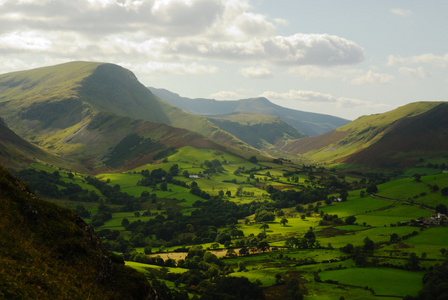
x: 345, y: 144
x: 260, y: 131
x: 311, y: 124
x: 83, y: 110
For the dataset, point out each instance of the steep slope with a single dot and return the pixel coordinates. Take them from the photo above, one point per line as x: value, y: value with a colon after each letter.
x: 15, y: 151
x: 260, y: 131
x: 311, y: 124
x: 48, y: 252
x: 82, y: 110
x: 361, y: 134
x: 409, y: 139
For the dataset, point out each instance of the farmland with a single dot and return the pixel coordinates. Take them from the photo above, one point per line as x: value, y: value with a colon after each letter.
x: 278, y: 224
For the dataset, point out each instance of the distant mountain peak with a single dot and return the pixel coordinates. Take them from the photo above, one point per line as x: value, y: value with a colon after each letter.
x: 311, y: 124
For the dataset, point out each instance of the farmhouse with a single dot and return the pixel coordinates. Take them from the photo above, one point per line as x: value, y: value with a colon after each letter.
x: 435, y: 219
x: 197, y: 176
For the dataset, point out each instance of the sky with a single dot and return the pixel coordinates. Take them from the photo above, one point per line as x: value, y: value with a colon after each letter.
x: 342, y: 58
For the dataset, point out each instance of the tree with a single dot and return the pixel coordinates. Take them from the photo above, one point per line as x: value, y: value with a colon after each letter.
x: 163, y: 186
x: 264, y: 226
x: 243, y: 251
x: 343, y: 195
x: 124, y: 222
x: 369, y: 245
x: 253, y: 159
x: 372, y: 189
x: 283, y: 221
x: 444, y: 191
x: 310, y: 234
x: 413, y: 262
x: 441, y: 209
x: 270, y: 189
x: 350, y: 220
x: 394, y: 238
x: 263, y: 246
x: 417, y: 177
x: 349, y: 249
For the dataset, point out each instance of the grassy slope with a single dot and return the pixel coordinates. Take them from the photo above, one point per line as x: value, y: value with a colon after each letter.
x: 83, y: 110
x: 409, y: 139
x: 405, y: 283
x: 259, y: 131
x: 47, y: 252
x: 356, y: 135
x: 16, y: 152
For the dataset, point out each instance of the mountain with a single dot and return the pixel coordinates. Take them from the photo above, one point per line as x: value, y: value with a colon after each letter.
x: 48, y: 252
x: 312, y: 124
x: 260, y: 131
x: 392, y: 139
x: 83, y: 110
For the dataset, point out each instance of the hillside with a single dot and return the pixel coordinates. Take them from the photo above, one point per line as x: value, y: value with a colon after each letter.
x: 15, y: 151
x: 386, y: 139
x: 48, y: 252
x: 260, y: 131
x: 83, y: 110
x: 311, y: 124
x: 409, y: 139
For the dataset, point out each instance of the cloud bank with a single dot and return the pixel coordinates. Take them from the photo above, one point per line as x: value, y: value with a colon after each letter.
x: 162, y: 32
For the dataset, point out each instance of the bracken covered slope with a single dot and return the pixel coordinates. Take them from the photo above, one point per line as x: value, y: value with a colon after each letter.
x: 48, y: 252
x: 394, y: 138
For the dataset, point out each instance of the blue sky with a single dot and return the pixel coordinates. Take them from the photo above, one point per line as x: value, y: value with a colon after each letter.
x: 344, y: 58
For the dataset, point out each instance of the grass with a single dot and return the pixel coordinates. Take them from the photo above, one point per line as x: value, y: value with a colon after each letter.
x: 409, y: 190
x: 379, y: 279
x: 355, y: 206
x: 145, y: 268
x: 393, y: 215
x: 294, y: 226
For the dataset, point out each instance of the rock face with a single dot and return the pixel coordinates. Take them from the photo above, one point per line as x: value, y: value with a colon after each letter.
x: 48, y: 252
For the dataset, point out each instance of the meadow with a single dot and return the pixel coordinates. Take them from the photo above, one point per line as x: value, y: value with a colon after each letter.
x: 383, y: 281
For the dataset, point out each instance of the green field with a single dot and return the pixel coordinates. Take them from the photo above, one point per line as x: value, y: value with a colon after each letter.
x: 383, y: 281
x: 355, y: 206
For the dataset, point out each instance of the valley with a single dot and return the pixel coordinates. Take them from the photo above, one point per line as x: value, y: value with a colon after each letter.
x: 239, y: 204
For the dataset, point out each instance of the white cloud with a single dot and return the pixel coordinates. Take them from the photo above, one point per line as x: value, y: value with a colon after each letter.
x: 172, y: 68
x: 311, y: 72
x: 428, y: 58
x: 163, y: 30
x: 414, y: 72
x: 401, y: 12
x: 14, y: 64
x: 254, y: 24
x: 302, y: 96
x: 226, y: 95
x: 256, y: 73
x: 312, y: 98
x: 373, y: 78
x: 298, y: 49
x: 25, y: 40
